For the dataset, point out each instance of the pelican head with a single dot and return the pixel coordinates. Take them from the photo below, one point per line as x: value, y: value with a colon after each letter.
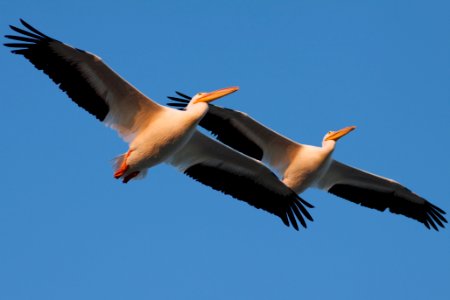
x: 211, y: 96
x: 336, y: 135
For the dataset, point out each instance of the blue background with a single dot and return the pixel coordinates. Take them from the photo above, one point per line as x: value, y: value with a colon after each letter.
x: 68, y: 230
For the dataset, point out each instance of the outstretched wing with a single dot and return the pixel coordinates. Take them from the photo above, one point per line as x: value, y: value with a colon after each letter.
x: 243, y: 133
x: 380, y: 193
x: 242, y: 177
x: 88, y: 81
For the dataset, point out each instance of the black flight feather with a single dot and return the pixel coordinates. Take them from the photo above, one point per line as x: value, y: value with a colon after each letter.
x: 183, y: 95
x: 65, y: 74
x: 243, y: 188
x: 426, y: 213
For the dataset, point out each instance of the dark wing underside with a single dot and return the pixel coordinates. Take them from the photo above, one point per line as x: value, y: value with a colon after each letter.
x: 381, y: 193
x: 88, y: 81
x: 36, y: 47
x: 288, y: 207
x: 241, y: 177
x: 426, y: 213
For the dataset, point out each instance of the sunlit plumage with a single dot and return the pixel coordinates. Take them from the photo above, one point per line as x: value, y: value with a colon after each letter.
x: 157, y: 134
x: 304, y: 166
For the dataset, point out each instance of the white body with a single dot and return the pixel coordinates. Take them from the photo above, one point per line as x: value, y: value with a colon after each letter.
x: 155, y: 133
x: 304, y: 166
x: 163, y: 137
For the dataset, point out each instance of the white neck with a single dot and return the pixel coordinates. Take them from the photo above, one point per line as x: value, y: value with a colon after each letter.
x: 199, y: 109
x: 329, y: 146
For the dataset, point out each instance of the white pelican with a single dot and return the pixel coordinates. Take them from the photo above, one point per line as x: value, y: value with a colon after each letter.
x: 303, y: 166
x: 155, y: 133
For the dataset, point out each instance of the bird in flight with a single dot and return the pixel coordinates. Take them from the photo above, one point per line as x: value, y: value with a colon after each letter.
x: 304, y: 166
x: 155, y: 133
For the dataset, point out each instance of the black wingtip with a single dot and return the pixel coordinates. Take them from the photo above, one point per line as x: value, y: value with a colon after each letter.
x: 299, y: 216
x: 21, y: 38
x: 284, y: 218
x: 178, y: 99
x: 176, y: 105
x: 434, y: 225
x: 31, y: 32
x: 183, y: 95
x: 435, y: 216
x: 292, y: 219
x: 307, y: 204
x: 31, y: 28
x: 304, y: 211
x: 437, y: 208
x: 16, y: 45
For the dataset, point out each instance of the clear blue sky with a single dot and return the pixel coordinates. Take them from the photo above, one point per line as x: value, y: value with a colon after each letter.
x: 68, y: 230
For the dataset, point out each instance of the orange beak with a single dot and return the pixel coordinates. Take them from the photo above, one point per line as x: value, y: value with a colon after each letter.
x: 336, y: 135
x: 211, y: 96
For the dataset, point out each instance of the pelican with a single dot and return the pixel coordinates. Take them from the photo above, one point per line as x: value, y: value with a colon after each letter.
x: 305, y: 166
x: 157, y: 134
